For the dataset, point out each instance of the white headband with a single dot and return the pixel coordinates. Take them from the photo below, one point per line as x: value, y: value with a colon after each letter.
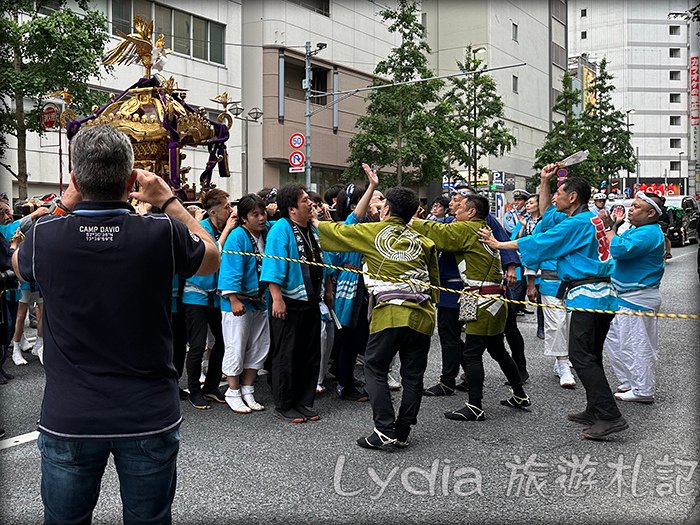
x: 643, y: 196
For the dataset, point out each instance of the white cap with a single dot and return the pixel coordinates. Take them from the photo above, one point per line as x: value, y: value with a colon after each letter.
x: 600, y: 197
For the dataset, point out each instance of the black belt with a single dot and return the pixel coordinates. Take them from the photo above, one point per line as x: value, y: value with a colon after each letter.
x: 550, y: 275
x: 570, y: 285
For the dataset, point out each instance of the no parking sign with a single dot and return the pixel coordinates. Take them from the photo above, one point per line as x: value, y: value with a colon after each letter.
x: 296, y: 158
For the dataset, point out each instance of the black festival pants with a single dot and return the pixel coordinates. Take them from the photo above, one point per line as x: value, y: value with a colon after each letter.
x: 413, y: 348
x: 197, y: 318
x: 587, y: 333
x: 295, y: 356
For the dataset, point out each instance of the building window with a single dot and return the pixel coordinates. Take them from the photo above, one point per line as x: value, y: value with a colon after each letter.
x: 46, y: 7
x: 674, y: 75
x: 559, y: 11
x: 124, y: 11
x: 559, y: 56
x: 142, y: 8
x: 674, y: 52
x: 164, y: 24
x: 674, y: 98
x: 514, y: 32
x: 183, y: 33
x: 584, y: 13
x: 217, y: 32
x: 199, y: 38
x: 322, y: 7
x: 121, y: 16
x: 674, y: 143
x: 584, y: 35
x: 674, y: 120
x: 293, y: 76
x: 515, y: 84
x: 675, y: 165
x: 674, y: 30
x: 319, y: 84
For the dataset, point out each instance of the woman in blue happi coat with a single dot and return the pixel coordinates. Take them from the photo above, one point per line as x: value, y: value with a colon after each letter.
x: 244, y: 318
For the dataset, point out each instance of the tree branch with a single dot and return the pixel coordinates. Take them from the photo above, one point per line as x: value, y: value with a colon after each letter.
x: 9, y: 169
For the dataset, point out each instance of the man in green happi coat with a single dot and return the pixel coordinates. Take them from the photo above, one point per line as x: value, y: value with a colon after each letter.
x: 403, y: 313
x: 480, y: 269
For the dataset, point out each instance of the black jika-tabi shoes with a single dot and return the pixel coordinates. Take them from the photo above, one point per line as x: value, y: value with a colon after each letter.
x: 517, y: 402
x: 466, y: 413
x: 439, y: 390
x: 376, y: 440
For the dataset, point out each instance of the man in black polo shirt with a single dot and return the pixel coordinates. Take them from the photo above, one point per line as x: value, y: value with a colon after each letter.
x: 111, y: 386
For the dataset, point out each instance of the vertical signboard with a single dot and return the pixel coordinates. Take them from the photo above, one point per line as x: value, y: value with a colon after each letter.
x: 694, y: 107
x: 695, y: 90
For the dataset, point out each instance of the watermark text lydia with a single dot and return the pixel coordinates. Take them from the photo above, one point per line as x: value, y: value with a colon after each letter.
x: 441, y: 478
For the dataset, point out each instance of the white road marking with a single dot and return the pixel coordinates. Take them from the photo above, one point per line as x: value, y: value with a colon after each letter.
x: 18, y: 440
x: 676, y: 257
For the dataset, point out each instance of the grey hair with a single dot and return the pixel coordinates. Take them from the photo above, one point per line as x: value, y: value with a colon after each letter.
x: 102, y: 159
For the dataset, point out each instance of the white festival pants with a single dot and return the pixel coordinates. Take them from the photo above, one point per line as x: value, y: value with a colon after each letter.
x: 246, y: 341
x: 631, y: 346
x: 556, y: 327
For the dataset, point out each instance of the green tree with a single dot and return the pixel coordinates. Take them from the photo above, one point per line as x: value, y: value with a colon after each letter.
x: 692, y: 14
x: 567, y: 136
x: 40, y: 54
x: 476, y: 127
x: 398, y: 132
x: 612, y: 149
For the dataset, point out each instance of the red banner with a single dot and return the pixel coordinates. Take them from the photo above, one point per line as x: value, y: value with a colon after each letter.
x: 659, y: 188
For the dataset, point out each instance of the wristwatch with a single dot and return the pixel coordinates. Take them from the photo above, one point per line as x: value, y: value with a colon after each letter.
x: 57, y: 208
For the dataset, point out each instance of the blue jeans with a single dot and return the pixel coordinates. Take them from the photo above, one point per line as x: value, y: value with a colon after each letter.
x: 71, y: 474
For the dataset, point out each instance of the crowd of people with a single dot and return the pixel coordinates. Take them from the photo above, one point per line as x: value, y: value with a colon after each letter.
x: 293, y: 288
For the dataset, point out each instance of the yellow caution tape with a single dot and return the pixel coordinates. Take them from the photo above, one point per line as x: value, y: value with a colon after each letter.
x: 462, y: 292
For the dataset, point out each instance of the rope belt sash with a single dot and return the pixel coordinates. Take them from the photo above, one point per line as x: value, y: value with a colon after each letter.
x: 414, y: 297
x: 493, y: 289
x: 550, y: 275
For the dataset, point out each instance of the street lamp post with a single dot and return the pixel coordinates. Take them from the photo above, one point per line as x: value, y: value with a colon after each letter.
x: 253, y: 116
x: 680, y: 172
x: 638, y: 168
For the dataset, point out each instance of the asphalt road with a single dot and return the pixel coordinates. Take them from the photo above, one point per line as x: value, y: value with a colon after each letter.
x: 516, y: 467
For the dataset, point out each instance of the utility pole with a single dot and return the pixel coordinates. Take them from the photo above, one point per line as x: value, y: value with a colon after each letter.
x: 307, y: 97
x: 627, y: 180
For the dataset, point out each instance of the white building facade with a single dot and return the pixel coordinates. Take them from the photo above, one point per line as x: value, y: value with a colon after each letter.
x: 507, y: 33
x: 653, y: 57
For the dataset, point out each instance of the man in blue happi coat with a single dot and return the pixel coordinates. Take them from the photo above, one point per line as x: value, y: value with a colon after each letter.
x: 584, y: 264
